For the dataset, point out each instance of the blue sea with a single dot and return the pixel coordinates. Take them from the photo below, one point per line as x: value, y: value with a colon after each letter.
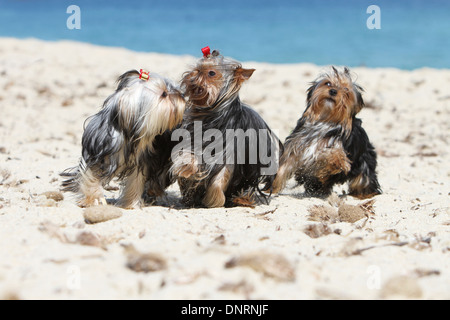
x: 412, y: 34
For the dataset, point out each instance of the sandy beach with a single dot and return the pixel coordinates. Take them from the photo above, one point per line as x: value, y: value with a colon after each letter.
x: 393, y: 246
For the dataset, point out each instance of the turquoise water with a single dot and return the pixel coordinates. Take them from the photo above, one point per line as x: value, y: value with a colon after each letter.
x: 413, y: 34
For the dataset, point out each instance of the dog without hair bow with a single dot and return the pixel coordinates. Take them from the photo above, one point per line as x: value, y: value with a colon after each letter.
x: 206, y: 52
x: 144, y: 75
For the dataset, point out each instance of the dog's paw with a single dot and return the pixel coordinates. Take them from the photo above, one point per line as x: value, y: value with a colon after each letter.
x: 92, y: 201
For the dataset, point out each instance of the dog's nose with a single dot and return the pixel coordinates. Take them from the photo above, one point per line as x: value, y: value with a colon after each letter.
x: 333, y: 92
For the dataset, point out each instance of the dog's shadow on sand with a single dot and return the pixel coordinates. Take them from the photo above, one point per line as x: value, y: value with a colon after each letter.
x: 170, y: 200
x: 173, y: 200
x: 300, y: 194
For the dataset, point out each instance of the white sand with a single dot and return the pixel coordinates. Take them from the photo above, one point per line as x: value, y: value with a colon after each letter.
x: 401, y: 250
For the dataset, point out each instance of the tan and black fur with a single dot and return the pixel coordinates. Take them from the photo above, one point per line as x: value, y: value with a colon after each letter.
x: 329, y: 145
x: 128, y: 140
x: 212, y: 88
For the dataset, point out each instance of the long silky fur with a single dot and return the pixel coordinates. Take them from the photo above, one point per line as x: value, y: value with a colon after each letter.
x: 245, y: 177
x: 227, y: 112
x: 128, y: 136
x: 305, y: 148
x: 356, y: 144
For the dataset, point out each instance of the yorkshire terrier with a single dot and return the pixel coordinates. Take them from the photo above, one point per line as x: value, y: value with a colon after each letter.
x: 238, y: 151
x: 329, y: 146
x: 128, y: 139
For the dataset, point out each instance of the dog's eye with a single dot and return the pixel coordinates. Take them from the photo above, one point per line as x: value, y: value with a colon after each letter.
x: 164, y: 94
x: 328, y: 84
x: 212, y: 73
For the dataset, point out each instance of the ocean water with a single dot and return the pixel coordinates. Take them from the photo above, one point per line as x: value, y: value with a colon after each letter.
x: 413, y: 34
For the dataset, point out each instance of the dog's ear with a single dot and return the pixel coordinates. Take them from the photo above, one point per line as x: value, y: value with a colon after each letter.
x: 243, y: 74
x: 309, y: 96
x: 347, y: 71
x: 336, y: 72
x: 125, y: 78
x: 311, y: 90
x: 359, y: 99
